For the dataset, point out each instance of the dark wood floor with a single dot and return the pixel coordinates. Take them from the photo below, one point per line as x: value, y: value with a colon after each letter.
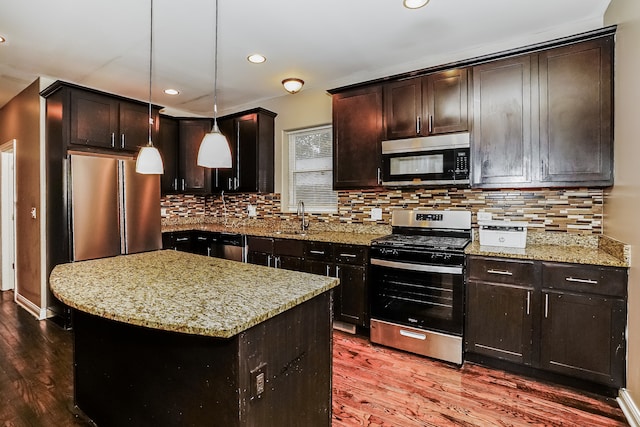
x: 372, y: 386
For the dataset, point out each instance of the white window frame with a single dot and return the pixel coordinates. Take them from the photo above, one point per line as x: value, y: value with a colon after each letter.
x: 291, y: 201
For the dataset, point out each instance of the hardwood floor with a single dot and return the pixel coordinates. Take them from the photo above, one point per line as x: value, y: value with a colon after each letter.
x: 378, y: 386
x: 372, y: 386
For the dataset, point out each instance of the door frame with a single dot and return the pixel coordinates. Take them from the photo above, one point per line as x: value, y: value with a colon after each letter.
x: 8, y: 215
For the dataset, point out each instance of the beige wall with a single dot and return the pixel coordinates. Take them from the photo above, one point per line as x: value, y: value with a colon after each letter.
x: 305, y: 109
x: 20, y: 119
x: 622, y: 206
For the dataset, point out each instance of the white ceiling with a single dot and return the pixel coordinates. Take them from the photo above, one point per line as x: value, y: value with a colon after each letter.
x: 104, y: 44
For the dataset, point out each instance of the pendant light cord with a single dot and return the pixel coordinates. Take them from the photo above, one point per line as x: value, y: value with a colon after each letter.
x: 215, y: 73
x: 150, y: 74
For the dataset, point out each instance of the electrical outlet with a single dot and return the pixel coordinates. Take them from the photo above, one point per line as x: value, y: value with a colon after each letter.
x: 163, y: 211
x: 258, y: 381
x: 251, y: 211
x: 376, y: 214
x: 484, y: 216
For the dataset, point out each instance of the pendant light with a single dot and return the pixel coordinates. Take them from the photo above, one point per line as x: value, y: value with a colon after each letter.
x: 214, y: 149
x: 149, y: 160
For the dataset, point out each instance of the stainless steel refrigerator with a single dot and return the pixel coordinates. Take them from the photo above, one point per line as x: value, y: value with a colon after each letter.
x: 114, y: 210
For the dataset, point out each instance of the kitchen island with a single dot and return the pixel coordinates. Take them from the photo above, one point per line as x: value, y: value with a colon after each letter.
x: 171, y: 338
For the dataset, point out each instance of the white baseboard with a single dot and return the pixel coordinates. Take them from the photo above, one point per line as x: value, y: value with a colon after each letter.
x: 37, y: 312
x: 629, y: 408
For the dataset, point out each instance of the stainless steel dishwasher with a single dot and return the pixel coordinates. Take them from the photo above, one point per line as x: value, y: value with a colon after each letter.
x: 232, y: 246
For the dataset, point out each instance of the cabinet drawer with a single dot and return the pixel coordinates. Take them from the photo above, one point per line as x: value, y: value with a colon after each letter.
x: 582, y: 278
x: 350, y: 254
x: 288, y: 247
x: 260, y: 244
x: 320, y: 251
x: 502, y: 271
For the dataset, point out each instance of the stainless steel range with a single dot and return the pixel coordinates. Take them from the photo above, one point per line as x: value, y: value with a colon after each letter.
x: 418, y: 283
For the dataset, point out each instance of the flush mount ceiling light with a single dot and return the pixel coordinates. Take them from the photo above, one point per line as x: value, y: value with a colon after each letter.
x: 292, y: 85
x: 149, y: 161
x: 256, y: 58
x: 414, y: 4
x: 171, y: 91
x: 214, y: 151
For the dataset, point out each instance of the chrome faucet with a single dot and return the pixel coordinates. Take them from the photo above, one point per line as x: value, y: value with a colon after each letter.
x: 304, y: 225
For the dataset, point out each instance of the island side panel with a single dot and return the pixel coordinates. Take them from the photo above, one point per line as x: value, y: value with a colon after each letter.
x: 127, y: 375
x: 294, y: 352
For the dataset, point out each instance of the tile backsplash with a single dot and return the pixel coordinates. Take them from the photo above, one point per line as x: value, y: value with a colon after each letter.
x: 577, y: 210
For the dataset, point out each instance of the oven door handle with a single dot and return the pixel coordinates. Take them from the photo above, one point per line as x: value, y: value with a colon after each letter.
x: 416, y: 267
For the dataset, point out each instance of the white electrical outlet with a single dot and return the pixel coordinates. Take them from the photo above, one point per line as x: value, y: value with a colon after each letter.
x: 251, y: 211
x: 484, y: 216
x: 163, y: 211
x: 376, y: 214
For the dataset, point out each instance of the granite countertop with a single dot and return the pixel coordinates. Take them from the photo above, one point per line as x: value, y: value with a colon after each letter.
x: 182, y: 292
x: 551, y: 252
x: 349, y: 238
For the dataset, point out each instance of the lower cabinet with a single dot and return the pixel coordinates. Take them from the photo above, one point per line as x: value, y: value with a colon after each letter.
x: 178, y: 241
x: 558, y: 318
x: 278, y: 253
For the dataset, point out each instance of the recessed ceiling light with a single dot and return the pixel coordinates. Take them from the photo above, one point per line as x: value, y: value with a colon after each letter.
x: 256, y: 58
x: 414, y: 4
x: 171, y: 91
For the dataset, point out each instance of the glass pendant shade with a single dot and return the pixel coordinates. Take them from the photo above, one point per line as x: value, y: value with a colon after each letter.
x: 149, y: 161
x: 214, y: 150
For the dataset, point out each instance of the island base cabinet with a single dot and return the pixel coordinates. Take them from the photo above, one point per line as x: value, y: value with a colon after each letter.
x: 128, y: 375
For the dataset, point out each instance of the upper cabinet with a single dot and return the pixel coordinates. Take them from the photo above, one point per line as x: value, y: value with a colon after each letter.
x: 192, y: 178
x: 502, y: 147
x: 576, y: 132
x: 545, y: 119
x: 357, y: 134
x: 103, y: 121
x: 421, y: 106
x: 167, y: 144
x: 251, y: 139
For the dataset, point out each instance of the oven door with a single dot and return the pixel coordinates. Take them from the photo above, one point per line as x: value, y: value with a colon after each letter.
x: 418, y: 295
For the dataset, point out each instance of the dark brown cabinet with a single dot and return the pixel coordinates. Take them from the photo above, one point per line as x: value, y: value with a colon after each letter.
x: 103, y: 121
x: 178, y: 241
x: 545, y: 119
x: 576, y: 135
x: 429, y: 105
x: 192, y: 178
x: 502, y: 135
x: 278, y: 253
x: 558, y: 318
x: 357, y: 135
x: 251, y: 139
x: 583, y: 322
x: 349, y: 263
x: 168, y: 143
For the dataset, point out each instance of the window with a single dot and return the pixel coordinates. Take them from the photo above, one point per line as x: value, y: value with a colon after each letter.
x: 311, y: 170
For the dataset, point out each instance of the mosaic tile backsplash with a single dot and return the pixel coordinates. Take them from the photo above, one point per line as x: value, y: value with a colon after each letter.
x: 566, y: 210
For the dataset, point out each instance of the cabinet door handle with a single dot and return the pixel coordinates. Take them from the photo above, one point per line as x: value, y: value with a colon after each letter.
x: 328, y: 271
x: 276, y: 262
x: 201, y: 238
x: 236, y: 183
x: 317, y: 252
x: 175, y: 184
x: 209, y: 251
x: 229, y: 184
x: 113, y: 140
x: 546, y: 306
x: 430, y: 124
x: 349, y: 255
x: 418, y: 125
x: 379, y: 176
x: 528, y: 302
x: 183, y: 184
x: 268, y: 260
x: 500, y: 272
x: 337, y: 271
x: 122, y: 140
x: 576, y: 280
x: 182, y: 239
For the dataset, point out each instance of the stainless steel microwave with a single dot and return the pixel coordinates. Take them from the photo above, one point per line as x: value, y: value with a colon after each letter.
x: 428, y: 161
